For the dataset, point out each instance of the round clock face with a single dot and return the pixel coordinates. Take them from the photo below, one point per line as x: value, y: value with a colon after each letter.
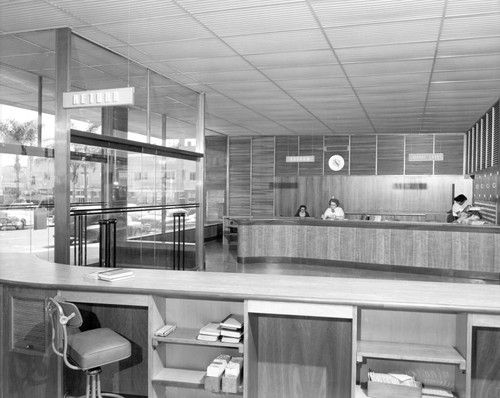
x: 336, y: 162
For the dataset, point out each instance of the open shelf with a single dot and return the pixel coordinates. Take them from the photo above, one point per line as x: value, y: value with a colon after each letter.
x: 188, y: 336
x: 185, y: 378
x: 409, y: 352
x: 180, y: 378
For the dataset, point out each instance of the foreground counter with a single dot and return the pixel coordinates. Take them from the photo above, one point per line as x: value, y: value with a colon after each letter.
x: 436, y: 247
x: 303, y: 336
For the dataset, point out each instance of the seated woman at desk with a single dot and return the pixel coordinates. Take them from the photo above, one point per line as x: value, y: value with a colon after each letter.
x: 302, y: 212
x: 334, y: 212
x: 459, y: 205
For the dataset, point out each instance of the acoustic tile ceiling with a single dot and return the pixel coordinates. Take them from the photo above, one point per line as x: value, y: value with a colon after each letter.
x: 301, y: 67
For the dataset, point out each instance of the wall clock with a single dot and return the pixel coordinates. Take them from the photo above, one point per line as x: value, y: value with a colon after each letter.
x: 336, y: 162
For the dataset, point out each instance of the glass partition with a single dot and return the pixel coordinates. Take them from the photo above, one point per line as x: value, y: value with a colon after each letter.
x: 145, y: 192
x: 140, y: 188
x: 26, y: 143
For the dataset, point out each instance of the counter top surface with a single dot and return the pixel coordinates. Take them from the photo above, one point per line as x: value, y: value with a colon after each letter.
x: 25, y: 270
x: 408, y: 225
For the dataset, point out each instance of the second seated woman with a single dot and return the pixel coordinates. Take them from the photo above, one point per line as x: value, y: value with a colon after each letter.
x: 302, y: 212
x: 334, y: 212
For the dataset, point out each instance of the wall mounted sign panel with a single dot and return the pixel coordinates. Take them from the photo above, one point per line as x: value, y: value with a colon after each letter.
x: 425, y: 157
x: 300, y: 159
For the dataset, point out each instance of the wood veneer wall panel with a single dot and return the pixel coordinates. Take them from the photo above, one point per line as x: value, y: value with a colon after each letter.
x: 418, y: 144
x: 440, y: 245
x: 370, y: 194
x: 303, y: 357
x: 485, y: 372
x: 390, y: 154
x: 311, y: 145
x: 404, y: 239
x: 240, y: 150
x: 489, y: 139
x: 408, y: 327
x: 473, y: 252
x: 481, y: 252
x: 341, y: 241
x: 286, y: 146
x: 453, y: 155
x: 337, y: 145
x: 363, y: 155
x: 286, y: 196
x: 495, y: 129
x: 483, y: 142
x: 216, y: 163
x: 262, y: 176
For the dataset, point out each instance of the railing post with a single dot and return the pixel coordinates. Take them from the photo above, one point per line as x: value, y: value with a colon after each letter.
x: 179, y: 240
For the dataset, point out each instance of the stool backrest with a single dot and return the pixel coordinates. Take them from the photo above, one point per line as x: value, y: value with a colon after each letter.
x: 62, y: 315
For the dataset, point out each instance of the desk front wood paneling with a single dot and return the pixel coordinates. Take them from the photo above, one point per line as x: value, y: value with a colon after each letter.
x: 314, y: 327
x: 475, y: 249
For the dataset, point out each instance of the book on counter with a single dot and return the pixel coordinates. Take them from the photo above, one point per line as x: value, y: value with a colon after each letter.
x: 111, y: 274
x: 209, y: 332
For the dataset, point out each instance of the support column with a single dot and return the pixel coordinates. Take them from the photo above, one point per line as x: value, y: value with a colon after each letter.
x: 62, y: 149
x: 200, y: 186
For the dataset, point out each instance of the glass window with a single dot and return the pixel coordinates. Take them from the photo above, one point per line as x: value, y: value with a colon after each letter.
x: 100, y: 176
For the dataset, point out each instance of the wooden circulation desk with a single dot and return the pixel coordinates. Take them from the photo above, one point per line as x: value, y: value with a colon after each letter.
x: 453, y: 249
x: 303, y: 336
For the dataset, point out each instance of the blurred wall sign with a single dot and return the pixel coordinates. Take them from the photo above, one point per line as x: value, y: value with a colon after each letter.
x: 299, y: 159
x: 425, y: 157
x: 90, y: 98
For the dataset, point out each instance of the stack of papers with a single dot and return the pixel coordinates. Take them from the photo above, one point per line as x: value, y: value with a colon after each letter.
x: 218, y: 366
x: 231, y: 329
x: 233, y: 368
x: 165, y: 330
x: 209, y: 332
x: 392, y: 378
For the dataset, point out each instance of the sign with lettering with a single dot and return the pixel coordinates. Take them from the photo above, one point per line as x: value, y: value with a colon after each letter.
x: 299, y: 159
x: 108, y: 97
x: 425, y: 157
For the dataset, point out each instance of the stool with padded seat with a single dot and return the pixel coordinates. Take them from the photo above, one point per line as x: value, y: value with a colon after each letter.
x: 86, y: 351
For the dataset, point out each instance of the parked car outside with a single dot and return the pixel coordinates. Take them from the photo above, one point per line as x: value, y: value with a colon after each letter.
x: 8, y: 221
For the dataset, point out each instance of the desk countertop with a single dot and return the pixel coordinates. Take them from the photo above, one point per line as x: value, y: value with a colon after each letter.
x: 25, y: 270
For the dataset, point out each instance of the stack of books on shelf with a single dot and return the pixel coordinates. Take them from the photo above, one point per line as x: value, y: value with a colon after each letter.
x: 224, y: 374
x: 231, y: 329
x: 210, y: 332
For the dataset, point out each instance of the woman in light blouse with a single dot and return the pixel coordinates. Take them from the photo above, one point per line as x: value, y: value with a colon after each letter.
x: 334, y: 212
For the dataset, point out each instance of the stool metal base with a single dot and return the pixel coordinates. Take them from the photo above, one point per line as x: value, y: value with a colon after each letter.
x: 93, y: 386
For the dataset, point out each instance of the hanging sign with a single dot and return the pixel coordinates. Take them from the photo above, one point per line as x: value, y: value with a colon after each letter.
x: 108, y: 97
